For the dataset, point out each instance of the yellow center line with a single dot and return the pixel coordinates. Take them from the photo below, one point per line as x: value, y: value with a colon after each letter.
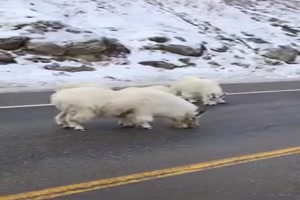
x: 51, y: 193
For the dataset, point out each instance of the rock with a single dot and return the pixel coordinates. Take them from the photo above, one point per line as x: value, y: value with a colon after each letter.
x: 220, y: 49
x: 180, y: 38
x: 41, y: 27
x: 273, y: 62
x: 214, y: 63
x: 185, y: 60
x: 182, y: 49
x: 257, y: 40
x: 220, y: 37
x: 207, y: 57
x: 70, y: 30
x: 6, y: 58
x: 50, y: 24
x: 20, y: 52
x: 91, y: 50
x: 37, y: 59
x: 95, y: 46
x: 241, y: 64
x: 90, y: 58
x: 60, y: 58
x: 12, y: 43
x: 112, y: 29
x: 57, y: 67
x: 47, y: 26
x: 47, y: 48
x: 247, y: 34
x: 159, y: 39
x: 104, y: 46
x: 286, y: 28
x: 114, y: 48
x: 273, y: 19
x: 283, y: 53
x: 238, y: 57
x: 52, y: 66
x: 275, y: 24
x: 160, y: 64
x: 255, y: 19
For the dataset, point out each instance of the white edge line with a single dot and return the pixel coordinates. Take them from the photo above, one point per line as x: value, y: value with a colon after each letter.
x: 26, y: 106
x: 228, y: 94
x: 264, y: 92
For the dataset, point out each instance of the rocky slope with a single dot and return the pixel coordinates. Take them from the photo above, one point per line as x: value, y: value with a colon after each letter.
x: 121, y: 41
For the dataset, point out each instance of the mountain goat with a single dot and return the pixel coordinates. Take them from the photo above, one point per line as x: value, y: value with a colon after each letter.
x: 135, y: 107
x: 80, y: 104
x: 194, y: 89
x: 151, y: 103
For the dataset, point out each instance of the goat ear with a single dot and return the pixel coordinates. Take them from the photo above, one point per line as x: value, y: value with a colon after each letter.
x: 200, y: 111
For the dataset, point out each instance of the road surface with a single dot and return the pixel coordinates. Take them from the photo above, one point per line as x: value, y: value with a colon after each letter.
x: 36, y: 154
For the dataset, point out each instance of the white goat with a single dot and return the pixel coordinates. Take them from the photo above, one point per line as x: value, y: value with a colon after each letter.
x: 150, y: 103
x: 80, y: 104
x: 194, y: 89
x: 132, y: 107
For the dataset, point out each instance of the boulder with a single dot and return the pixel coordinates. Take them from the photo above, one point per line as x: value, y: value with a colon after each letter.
x: 182, y: 49
x: 180, y: 38
x: 92, y: 50
x: 214, y: 63
x: 49, y: 24
x: 90, y: 58
x: 289, y: 29
x: 6, y: 58
x: 41, y: 26
x: 12, y: 43
x: 257, y: 40
x: 114, y: 48
x: 47, y: 48
x: 37, y: 59
x: 103, y: 46
x: 159, y: 39
x: 185, y: 60
x: 160, y: 64
x: 220, y: 49
x: 89, y: 47
x: 57, y: 67
x: 282, y: 53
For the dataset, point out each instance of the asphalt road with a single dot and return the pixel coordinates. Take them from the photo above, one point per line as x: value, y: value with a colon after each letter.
x: 9, y: 99
x: 36, y: 154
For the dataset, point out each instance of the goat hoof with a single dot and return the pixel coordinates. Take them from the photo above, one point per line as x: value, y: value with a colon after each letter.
x: 79, y: 129
x: 145, y: 127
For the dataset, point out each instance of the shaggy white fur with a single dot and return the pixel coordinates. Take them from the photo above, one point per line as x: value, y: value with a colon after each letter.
x: 194, y: 89
x: 155, y: 103
x: 131, y: 106
x: 79, y: 104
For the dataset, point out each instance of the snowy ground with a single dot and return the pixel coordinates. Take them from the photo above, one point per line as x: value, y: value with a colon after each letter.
x: 132, y: 22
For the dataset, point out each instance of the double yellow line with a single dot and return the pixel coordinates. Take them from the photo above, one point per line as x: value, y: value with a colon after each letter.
x: 135, y: 178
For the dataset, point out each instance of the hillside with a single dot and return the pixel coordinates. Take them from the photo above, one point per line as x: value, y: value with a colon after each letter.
x: 121, y: 42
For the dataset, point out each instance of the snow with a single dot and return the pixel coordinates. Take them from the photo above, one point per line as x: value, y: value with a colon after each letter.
x: 132, y: 22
